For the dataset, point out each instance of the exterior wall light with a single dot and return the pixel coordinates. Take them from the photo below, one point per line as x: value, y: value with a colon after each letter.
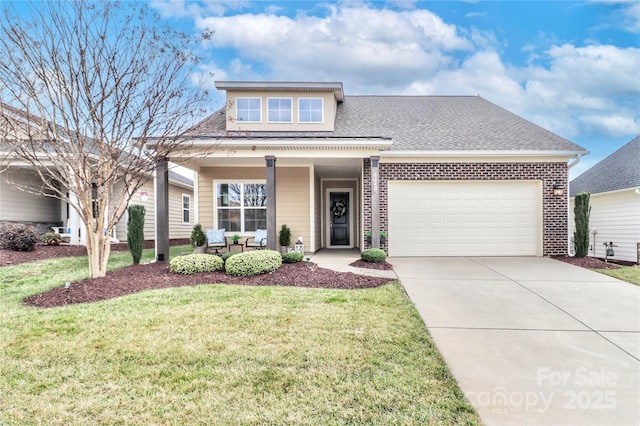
x: 299, y: 246
x: 558, y: 190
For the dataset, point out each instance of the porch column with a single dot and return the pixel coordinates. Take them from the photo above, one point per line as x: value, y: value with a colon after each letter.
x: 75, y: 223
x: 375, y: 203
x: 162, y: 210
x: 271, y: 202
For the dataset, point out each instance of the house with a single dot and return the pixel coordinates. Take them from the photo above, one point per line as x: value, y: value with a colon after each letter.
x: 24, y: 199
x: 43, y: 212
x: 614, y: 185
x: 441, y: 175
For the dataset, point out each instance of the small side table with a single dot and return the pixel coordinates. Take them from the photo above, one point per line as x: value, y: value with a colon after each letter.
x: 236, y: 245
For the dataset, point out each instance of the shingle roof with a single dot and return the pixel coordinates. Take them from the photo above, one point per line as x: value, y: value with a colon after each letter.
x: 180, y: 178
x: 619, y: 170
x: 423, y: 123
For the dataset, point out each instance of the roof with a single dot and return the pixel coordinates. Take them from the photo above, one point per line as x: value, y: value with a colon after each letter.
x: 620, y: 170
x: 421, y: 123
x: 177, y: 177
x: 279, y: 86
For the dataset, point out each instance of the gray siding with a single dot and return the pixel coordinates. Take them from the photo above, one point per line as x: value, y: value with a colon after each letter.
x: 21, y: 206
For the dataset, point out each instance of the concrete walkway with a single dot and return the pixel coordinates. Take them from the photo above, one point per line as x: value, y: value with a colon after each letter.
x: 532, y: 340
x: 339, y: 260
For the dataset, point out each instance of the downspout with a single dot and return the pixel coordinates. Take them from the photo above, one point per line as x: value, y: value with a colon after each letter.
x: 576, y: 161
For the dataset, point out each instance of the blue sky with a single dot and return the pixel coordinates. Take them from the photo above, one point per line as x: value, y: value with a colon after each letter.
x: 571, y: 67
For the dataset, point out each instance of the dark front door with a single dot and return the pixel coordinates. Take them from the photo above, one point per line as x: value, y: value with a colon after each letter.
x: 339, y: 218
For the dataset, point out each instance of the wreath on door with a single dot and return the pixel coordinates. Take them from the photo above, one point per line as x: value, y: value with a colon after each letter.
x: 339, y: 209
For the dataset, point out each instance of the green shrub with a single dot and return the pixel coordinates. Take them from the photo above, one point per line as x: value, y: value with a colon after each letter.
x: 51, y: 239
x: 227, y: 255
x: 284, y: 237
x: 373, y: 255
x: 135, y: 232
x: 198, y: 238
x: 292, y: 257
x: 18, y: 237
x: 195, y: 263
x: 253, y: 263
x: 582, y: 210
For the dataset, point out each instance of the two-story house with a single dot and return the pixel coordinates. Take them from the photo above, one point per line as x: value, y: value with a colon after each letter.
x: 440, y: 175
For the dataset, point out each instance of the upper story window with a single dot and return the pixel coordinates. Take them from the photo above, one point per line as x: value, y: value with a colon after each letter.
x: 279, y: 110
x: 310, y: 110
x: 249, y: 110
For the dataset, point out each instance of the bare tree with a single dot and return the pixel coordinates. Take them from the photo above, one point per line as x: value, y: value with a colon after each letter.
x: 84, y: 87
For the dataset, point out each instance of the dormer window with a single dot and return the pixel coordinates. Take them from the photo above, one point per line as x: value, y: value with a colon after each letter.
x: 279, y: 110
x: 310, y: 110
x: 249, y: 110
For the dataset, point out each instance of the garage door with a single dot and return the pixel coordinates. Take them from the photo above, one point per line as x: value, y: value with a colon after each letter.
x: 469, y: 218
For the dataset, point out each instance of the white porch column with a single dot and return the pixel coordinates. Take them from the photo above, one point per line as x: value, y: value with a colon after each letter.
x: 78, y: 236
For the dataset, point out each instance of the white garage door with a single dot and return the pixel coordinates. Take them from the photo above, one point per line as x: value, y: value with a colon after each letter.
x: 465, y: 218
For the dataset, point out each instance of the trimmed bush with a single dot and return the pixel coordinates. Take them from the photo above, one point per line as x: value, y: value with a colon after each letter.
x: 51, y: 239
x: 18, y: 237
x: 227, y: 255
x: 373, y: 255
x: 582, y: 210
x: 253, y: 263
x: 292, y: 257
x: 195, y: 263
x: 135, y: 232
x: 198, y: 238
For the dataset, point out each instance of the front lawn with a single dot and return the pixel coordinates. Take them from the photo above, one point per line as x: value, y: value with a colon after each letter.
x: 218, y: 354
x: 630, y: 274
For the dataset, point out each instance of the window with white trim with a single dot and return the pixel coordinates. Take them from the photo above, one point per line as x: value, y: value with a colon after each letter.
x: 186, y: 208
x: 249, y: 110
x: 310, y: 110
x: 279, y: 110
x: 241, y: 206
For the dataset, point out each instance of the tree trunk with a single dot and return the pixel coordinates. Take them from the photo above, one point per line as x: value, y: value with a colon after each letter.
x: 98, y: 248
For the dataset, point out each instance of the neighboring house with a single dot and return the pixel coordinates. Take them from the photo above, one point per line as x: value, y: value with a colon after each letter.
x: 614, y: 185
x: 442, y: 175
x: 17, y: 206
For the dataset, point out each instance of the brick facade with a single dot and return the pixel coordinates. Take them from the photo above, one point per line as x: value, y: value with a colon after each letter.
x: 554, y: 208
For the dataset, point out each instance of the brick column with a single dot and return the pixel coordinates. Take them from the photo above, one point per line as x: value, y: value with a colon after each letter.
x: 375, y: 202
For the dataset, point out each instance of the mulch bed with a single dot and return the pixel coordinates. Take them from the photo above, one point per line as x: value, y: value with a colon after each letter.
x: 382, y: 266
x: 588, y: 262
x: 136, y: 278
x: 133, y: 279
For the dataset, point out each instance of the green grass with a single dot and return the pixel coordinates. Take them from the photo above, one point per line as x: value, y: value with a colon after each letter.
x: 630, y: 274
x: 218, y: 354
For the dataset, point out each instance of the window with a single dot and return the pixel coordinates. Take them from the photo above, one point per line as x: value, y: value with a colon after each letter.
x: 310, y: 110
x: 279, y: 110
x: 186, y: 208
x: 241, y: 206
x: 249, y: 110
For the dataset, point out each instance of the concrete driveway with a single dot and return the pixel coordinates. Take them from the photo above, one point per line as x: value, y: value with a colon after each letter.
x: 532, y: 340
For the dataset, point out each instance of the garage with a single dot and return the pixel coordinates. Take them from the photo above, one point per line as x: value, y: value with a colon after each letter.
x: 465, y: 218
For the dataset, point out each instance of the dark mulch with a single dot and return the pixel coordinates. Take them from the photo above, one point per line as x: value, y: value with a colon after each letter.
x: 133, y: 279
x: 382, y: 266
x: 10, y: 257
x: 588, y: 262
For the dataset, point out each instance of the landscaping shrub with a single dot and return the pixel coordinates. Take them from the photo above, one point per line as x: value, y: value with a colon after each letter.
x: 292, y: 257
x: 373, y: 255
x: 227, y: 255
x: 135, y: 232
x: 284, y: 238
x: 18, y: 237
x: 581, y: 233
x: 253, y: 263
x: 195, y: 263
x: 51, y: 239
x: 198, y: 238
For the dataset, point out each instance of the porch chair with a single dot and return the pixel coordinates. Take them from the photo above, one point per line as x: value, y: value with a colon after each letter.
x: 216, y: 239
x: 258, y: 241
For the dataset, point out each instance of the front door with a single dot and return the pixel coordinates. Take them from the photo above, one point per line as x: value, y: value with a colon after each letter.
x: 339, y: 219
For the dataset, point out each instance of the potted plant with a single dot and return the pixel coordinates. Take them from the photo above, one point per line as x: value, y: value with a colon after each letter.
x: 198, y: 239
x: 235, y: 238
x: 285, y: 238
x: 383, y: 236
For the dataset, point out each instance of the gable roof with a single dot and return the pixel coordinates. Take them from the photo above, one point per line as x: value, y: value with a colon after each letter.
x: 420, y: 123
x: 619, y: 170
